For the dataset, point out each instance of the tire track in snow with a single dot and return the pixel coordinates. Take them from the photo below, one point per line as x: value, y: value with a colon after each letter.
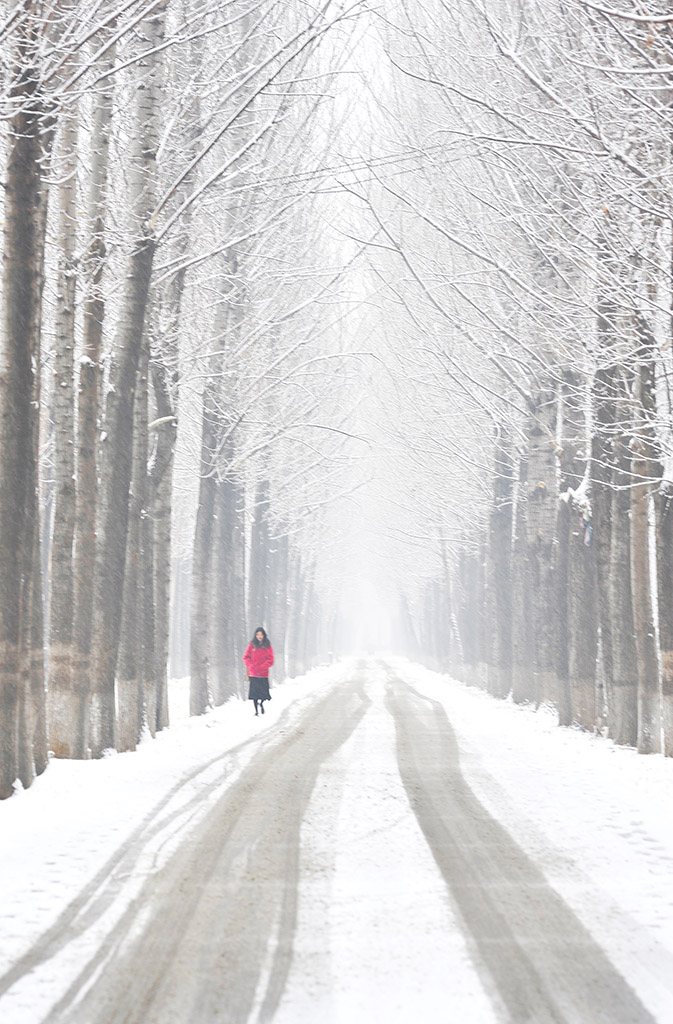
x: 109, y: 900
x: 544, y: 966
x: 192, y: 946
x: 377, y: 936
x: 174, y: 811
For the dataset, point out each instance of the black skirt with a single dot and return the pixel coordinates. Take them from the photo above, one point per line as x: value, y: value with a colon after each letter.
x: 259, y: 688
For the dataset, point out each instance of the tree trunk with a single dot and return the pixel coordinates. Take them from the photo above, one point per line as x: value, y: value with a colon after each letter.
x: 623, y: 693
x: 443, y: 629
x: 147, y: 598
x: 132, y: 655
x: 484, y: 613
x: 645, y: 470
x: 277, y: 617
x: 223, y: 683
x: 20, y: 577
x: 582, y: 621
x: 200, y: 618
x: 229, y: 631
x: 158, y: 556
x: 523, y: 681
x: 118, y: 446
x: 648, y: 703
x: 469, y: 613
x: 499, y: 564
x: 62, y: 701
x: 602, y: 456
x: 37, y: 753
x: 38, y: 734
x: 562, y: 601
x: 611, y: 499
x: 577, y: 595
x: 180, y: 629
x: 664, y: 535
x: 218, y: 604
x: 229, y: 637
x: 310, y: 625
x: 237, y: 626
x: 457, y: 652
x: 160, y: 519
x: 258, y: 598
x: 430, y: 626
x: 88, y: 412
x: 541, y: 528
x: 296, y: 664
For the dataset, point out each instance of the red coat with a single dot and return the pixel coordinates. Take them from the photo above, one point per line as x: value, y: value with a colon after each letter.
x: 258, y: 660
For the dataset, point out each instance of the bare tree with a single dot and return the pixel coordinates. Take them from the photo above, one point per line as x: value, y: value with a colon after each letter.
x: 29, y: 139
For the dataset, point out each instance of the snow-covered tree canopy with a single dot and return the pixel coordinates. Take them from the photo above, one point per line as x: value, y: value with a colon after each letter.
x: 326, y: 313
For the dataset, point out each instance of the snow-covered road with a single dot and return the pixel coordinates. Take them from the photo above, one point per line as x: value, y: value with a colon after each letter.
x: 367, y: 851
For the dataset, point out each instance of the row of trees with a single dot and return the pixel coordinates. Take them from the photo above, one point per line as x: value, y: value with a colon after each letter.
x: 274, y: 331
x: 169, y: 312
x: 528, y: 254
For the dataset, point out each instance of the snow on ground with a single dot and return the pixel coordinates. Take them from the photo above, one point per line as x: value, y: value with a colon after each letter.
x: 57, y: 835
x: 596, y: 818
x: 377, y: 937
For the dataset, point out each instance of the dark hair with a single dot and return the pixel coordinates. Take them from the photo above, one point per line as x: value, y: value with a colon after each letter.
x: 264, y: 642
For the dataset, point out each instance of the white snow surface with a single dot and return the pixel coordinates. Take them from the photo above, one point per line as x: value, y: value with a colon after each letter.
x: 596, y: 818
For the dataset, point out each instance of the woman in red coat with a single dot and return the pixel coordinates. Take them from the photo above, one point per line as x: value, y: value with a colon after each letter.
x: 258, y: 660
